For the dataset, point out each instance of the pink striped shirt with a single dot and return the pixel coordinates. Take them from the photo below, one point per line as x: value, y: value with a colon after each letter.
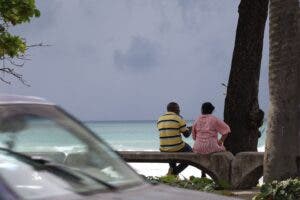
x: 205, y: 133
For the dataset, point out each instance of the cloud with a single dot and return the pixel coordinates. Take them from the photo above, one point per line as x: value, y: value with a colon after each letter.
x: 194, y: 11
x: 142, y: 54
x: 109, y: 56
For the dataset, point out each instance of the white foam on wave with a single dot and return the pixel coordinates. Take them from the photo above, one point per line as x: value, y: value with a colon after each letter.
x: 137, y: 150
x: 161, y: 169
x: 261, y: 149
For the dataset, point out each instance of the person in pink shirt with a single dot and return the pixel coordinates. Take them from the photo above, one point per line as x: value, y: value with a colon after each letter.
x: 205, y: 131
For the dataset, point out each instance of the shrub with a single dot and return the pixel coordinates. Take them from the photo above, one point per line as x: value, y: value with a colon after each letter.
x: 284, y: 190
x: 201, y: 184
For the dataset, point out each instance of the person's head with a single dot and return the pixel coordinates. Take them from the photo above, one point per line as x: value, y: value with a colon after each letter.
x: 173, y: 107
x: 207, y: 108
x: 261, y: 115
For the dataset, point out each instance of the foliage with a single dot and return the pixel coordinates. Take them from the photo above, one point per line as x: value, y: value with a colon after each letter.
x: 18, y: 11
x: 11, y: 45
x: 12, y: 13
x: 284, y: 190
x: 193, y: 183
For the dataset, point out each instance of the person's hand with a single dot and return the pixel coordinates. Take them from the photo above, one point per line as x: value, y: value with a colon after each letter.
x: 188, y: 133
x: 220, y: 142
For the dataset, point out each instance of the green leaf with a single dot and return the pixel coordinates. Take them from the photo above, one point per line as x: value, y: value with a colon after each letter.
x: 14, y: 12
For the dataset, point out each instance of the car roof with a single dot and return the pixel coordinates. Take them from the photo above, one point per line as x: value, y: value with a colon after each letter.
x: 20, y: 99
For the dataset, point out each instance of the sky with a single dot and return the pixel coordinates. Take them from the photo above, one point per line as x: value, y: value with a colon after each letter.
x: 126, y: 59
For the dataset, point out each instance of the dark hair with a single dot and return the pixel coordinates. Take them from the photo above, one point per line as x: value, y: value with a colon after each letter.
x: 261, y: 116
x: 173, y: 107
x: 207, y: 108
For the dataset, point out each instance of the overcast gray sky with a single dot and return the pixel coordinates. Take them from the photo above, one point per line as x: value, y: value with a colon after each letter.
x: 126, y: 59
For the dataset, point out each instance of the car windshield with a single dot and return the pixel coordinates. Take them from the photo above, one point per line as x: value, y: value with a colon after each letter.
x: 47, y: 132
x: 30, y: 179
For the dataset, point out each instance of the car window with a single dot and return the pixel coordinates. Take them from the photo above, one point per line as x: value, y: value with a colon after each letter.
x: 48, y: 132
x: 42, y: 134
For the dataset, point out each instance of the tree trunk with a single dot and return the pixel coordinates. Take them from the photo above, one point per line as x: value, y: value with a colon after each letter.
x: 241, y: 103
x: 283, y: 138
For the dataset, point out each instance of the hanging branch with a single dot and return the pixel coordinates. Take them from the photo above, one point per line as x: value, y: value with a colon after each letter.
x: 19, y: 62
x: 11, y: 71
x: 38, y: 45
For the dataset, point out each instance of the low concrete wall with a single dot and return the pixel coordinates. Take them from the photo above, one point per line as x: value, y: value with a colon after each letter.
x: 216, y: 165
x: 246, y: 169
x: 240, y: 171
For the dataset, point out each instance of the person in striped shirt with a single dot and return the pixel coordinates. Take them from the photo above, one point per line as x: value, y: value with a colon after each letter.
x: 170, y: 126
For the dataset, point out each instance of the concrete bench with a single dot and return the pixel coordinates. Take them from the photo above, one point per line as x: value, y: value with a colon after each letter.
x: 240, y: 171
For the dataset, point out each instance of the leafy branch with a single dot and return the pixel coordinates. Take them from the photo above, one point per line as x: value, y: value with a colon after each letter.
x: 14, y: 47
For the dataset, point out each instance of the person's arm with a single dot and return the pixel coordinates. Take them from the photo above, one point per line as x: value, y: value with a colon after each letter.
x: 194, y: 131
x: 222, y: 139
x: 183, y: 129
x: 223, y: 129
x: 188, y: 132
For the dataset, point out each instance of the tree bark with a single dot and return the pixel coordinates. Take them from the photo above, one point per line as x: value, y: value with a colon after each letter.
x: 241, y: 103
x: 283, y: 138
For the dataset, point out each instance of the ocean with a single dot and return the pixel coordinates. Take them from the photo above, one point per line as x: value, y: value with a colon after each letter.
x: 143, y: 136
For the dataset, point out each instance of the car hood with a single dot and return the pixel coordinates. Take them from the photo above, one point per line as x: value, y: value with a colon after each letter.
x: 156, y: 192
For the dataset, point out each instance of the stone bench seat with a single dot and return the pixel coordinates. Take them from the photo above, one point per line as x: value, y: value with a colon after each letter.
x: 240, y: 171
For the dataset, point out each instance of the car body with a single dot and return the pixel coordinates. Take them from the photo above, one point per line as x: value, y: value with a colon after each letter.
x: 45, y: 153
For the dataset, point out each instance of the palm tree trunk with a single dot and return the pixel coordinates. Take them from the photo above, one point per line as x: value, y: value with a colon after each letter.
x: 241, y: 103
x: 283, y: 138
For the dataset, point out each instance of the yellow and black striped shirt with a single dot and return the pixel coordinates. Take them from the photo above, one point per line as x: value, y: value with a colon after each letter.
x: 170, y: 126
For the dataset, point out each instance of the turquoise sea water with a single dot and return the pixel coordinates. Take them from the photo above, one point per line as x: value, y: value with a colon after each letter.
x: 138, y: 135
x: 122, y: 135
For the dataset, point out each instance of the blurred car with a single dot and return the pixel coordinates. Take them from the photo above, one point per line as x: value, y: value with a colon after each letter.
x: 45, y: 153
